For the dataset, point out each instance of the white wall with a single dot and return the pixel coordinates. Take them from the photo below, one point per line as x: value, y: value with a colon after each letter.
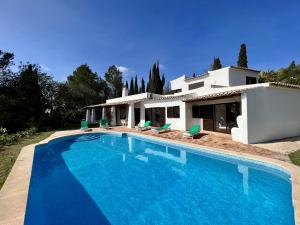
x: 195, y: 80
x: 178, y: 83
x: 271, y: 113
x: 238, y: 76
x: 176, y: 123
x: 218, y: 77
x: 225, y: 77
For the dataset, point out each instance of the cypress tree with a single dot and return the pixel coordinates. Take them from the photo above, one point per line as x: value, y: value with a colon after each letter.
x: 126, y: 85
x: 136, y: 87
x: 143, y: 86
x: 131, y: 89
x: 153, y: 80
x: 149, y: 81
x: 158, y: 80
x: 242, y: 60
x: 156, y: 83
x: 162, y: 84
x: 194, y: 75
x: 216, y: 64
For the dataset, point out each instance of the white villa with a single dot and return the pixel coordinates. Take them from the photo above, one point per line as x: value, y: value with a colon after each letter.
x: 227, y: 100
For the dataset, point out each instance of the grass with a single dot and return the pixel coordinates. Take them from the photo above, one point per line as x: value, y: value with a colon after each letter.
x: 9, y: 153
x: 295, y: 157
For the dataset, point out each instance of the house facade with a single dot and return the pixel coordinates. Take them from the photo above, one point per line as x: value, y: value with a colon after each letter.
x: 229, y: 100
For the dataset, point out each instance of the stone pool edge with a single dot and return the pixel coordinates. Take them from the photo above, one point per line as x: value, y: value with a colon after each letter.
x: 14, y: 193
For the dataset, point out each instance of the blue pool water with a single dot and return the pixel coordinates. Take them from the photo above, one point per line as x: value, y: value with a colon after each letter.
x: 124, y: 179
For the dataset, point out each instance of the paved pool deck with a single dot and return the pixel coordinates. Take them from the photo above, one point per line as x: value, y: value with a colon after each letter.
x: 284, y: 146
x: 14, y: 193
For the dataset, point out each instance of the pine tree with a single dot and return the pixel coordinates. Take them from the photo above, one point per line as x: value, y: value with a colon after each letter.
x: 126, y: 85
x: 216, y: 64
x: 242, y: 60
x: 136, y: 87
x: 143, y: 86
x: 113, y: 78
x: 131, y: 88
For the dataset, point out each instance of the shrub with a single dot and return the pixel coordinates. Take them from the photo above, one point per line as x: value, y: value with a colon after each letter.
x: 6, y: 138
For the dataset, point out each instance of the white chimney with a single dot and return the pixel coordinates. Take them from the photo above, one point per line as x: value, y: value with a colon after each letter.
x: 124, y: 92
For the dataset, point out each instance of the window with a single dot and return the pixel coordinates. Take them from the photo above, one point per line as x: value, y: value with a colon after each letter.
x: 173, y: 112
x: 175, y: 91
x: 203, y: 111
x: 196, y: 85
x: 251, y: 80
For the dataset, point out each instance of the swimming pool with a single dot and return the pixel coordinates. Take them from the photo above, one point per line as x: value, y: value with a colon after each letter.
x: 106, y: 178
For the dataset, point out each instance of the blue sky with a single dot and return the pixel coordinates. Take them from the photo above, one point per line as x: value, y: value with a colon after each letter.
x: 183, y: 35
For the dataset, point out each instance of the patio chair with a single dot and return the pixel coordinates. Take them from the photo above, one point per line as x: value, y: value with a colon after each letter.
x: 193, y: 131
x: 104, y: 124
x: 145, y: 127
x: 84, y: 126
x: 164, y: 128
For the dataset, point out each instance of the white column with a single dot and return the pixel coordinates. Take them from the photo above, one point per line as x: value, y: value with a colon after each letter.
x: 103, y: 112
x: 183, y: 116
x: 130, y: 115
x: 93, y: 116
x: 87, y: 115
x: 113, y: 115
x: 244, y: 127
x: 142, y: 114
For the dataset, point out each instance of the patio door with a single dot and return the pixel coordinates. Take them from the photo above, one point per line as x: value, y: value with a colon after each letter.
x: 220, y: 118
x: 225, y: 116
x: 157, y: 116
x: 137, y: 115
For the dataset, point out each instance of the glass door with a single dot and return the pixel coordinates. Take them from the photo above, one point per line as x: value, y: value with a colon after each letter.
x: 220, y: 118
x: 137, y: 116
x: 157, y: 116
x: 233, y: 110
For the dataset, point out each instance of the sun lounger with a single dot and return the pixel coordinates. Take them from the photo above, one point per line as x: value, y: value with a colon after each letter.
x: 194, y: 130
x: 145, y: 127
x: 164, y: 128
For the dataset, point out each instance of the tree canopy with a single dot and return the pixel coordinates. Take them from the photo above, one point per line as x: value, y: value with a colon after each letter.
x: 113, y: 77
x: 290, y: 74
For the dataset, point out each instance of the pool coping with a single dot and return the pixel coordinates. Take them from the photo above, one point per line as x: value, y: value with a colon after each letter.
x: 14, y: 193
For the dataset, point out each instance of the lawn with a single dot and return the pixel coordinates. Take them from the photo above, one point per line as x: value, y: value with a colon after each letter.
x: 9, y: 153
x: 295, y: 157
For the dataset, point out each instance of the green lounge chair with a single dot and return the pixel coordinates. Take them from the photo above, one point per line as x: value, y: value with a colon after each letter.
x: 104, y: 124
x: 194, y: 130
x: 84, y: 126
x: 145, y: 127
x: 164, y: 128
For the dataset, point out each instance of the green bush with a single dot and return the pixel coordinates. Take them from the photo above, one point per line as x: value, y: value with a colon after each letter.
x: 6, y: 139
